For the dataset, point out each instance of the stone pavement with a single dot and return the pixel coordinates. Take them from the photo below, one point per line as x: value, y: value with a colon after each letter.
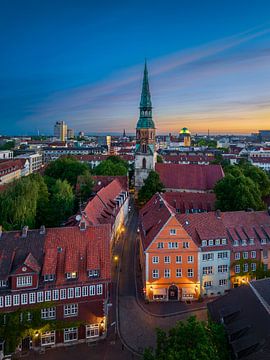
x: 138, y: 328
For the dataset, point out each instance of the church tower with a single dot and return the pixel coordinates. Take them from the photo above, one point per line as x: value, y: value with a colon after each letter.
x: 145, y: 153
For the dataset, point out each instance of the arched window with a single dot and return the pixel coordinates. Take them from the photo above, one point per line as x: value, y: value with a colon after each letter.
x: 144, y: 163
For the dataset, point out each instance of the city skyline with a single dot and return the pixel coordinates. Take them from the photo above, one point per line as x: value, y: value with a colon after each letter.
x: 83, y: 64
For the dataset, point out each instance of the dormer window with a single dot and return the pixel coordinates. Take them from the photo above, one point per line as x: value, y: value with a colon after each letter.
x: 95, y: 273
x: 217, y: 241
x: 3, y: 283
x: 49, y: 277
x: 71, y: 275
x: 235, y: 243
x: 251, y: 241
x: 211, y: 242
x: 23, y: 281
x: 263, y: 241
x: 172, y: 231
x: 244, y: 242
x: 204, y: 242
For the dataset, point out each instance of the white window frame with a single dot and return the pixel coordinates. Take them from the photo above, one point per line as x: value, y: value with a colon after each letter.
x: 99, y: 289
x: 253, y: 254
x: 69, y: 331
x: 178, y: 272
x: 245, y: 267
x: 207, y: 284
x: 63, y: 294
x: 48, y: 277
x: 24, y: 299
x: 221, y: 268
x: 245, y: 255
x: 48, y: 295
x: 172, y: 245
x: 71, y: 310
x: 178, y: 259
x: 237, y: 256
x: 70, y: 294
x: 167, y: 273
x: 224, y: 241
x: 237, y: 269
x: 160, y: 245
x: 91, y: 331
x: 48, y: 313
x: 207, y: 270
x: 172, y: 231
x: 155, y: 259
x: 1, y: 301
x: 8, y: 300
x: 39, y: 296
x: 16, y: 300
x: 24, y: 281
x: 253, y: 266
x: 223, y: 282
x: 190, y: 273
x: 155, y: 274
x: 78, y: 292
x: 204, y: 242
x: 92, y: 290
x: 185, y: 244
x: 55, y: 295
x: 190, y: 259
x: 210, y: 242
x: 217, y: 242
x: 32, y: 298
x: 84, y: 291
x: 167, y: 259
x: 46, y: 338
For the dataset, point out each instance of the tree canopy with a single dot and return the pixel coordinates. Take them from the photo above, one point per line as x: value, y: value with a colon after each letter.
x: 243, y: 187
x: 112, y: 166
x: 66, y: 168
x: 190, y: 340
x: 151, y: 185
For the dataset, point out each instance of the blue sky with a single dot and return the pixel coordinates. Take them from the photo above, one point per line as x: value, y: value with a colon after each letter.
x: 82, y: 62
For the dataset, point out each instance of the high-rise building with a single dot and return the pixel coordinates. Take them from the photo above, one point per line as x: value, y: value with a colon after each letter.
x: 60, y: 130
x: 70, y: 133
x: 145, y: 153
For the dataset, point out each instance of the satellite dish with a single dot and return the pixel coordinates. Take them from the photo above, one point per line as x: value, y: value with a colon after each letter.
x: 78, y: 217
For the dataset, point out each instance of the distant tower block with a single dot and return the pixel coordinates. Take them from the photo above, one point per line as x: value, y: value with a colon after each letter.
x: 185, y: 135
x: 145, y: 153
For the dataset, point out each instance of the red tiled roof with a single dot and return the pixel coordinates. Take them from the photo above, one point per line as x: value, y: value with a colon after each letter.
x: 188, y: 201
x: 189, y: 176
x: 11, y: 165
x: 188, y: 158
x: 31, y: 262
x: 153, y: 216
x: 234, y: 225
x: 73, y: 248
x: 102, y: 181
x: 260, y: 159
x: 102, y: 208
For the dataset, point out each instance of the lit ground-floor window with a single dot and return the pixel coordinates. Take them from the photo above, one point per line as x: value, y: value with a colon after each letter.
x: 48, y: 338
x: 92, y: 331
x: 70, y: 334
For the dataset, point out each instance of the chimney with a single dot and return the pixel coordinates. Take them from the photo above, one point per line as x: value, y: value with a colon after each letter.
x: 1, y: 230
x: 24, y: 231
x: 218, y: 214
x: 42, y: 230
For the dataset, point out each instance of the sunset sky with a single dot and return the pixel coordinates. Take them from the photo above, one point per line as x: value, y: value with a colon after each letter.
x: 82, y: 62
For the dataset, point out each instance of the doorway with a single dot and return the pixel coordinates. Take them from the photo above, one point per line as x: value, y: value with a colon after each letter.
x: 173, y: 292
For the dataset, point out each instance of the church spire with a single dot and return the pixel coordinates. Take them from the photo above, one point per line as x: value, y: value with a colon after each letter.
x: 145, y: 96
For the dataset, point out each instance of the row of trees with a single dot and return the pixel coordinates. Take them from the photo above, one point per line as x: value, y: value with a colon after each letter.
x: 191, y: 340
x: 244, y: 186
x: 51, y: 199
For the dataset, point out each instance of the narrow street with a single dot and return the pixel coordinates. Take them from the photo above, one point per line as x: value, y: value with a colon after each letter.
x: 137, y: 321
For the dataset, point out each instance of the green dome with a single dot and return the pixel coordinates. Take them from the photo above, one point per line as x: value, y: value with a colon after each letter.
x: 184, y: 131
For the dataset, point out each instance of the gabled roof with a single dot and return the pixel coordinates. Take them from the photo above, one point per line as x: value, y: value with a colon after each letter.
x: 15, y: 250
x: 189, y: 176
x: 234, y: 225
x: 188, y: 201
x: 153, y: 216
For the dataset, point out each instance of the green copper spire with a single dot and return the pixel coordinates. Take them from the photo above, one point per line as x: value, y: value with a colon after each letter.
x: 145, y: 96
x: 145, y: 120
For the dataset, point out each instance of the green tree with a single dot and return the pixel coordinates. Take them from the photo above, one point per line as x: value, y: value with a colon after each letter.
x: 151, y: 185
x: 8, y: 145
x: 18, y: 204
x: 259, y: 176
x: 66, y: 168
x: 237, y: 193
x: 61, y: 203
x: 84, y: 187
x: 190, y: 340
x: 112, y: 167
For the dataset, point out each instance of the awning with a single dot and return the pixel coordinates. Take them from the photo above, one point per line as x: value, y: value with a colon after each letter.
x: 161, y: 291
x: 187, y: 292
